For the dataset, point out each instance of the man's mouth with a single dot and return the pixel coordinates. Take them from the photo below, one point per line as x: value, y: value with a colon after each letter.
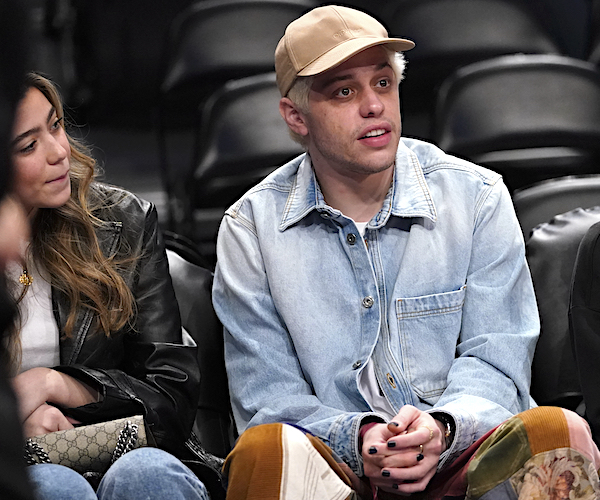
x: 374, y: 133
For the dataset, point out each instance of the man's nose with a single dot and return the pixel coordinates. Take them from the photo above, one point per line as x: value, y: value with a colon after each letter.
x: 371, y: 104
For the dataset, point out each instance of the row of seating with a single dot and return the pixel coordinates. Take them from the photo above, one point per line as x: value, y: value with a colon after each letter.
x: 530, y: 116
x: 198, y: 65
x: 210, y: 41
x: 450, y: 34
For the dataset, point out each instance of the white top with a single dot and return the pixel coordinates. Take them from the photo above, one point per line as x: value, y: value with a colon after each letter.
x: 371, y: 391
x: 367, y: 382
x: 39, y: 331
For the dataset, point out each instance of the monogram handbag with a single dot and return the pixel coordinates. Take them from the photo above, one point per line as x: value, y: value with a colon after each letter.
x: 88, y: 449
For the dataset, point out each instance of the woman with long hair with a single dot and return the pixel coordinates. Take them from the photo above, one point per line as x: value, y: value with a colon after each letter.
x: 98, y: 334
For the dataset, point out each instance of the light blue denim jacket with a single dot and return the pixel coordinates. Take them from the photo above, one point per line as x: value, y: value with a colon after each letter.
x: 438, y: 295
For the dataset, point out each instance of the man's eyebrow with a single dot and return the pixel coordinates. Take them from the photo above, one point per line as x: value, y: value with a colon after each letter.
x: 344, y: 77
x: 34, y: 130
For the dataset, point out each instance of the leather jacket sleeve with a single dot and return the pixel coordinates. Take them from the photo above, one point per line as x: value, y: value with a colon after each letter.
x: 145, y: 368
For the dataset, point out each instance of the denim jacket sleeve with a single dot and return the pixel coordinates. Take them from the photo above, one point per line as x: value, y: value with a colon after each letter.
x: 266, y: 381
x: 489, y: 379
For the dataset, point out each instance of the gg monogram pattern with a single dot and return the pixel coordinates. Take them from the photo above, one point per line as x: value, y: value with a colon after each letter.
x: 89, y: 448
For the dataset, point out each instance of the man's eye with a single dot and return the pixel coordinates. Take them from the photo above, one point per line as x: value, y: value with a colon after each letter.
x: 384, y: 82
x: 345, y: 92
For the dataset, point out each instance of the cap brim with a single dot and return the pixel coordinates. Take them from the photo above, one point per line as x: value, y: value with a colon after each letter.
x: 349, y: 48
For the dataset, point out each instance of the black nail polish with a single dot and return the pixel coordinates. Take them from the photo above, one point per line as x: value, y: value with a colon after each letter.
x: 395, y: 486
x: 420, y: 457
x: 395, y: 424
x: 385, y: 473
x: 372, y: 450
x: 391, y: 444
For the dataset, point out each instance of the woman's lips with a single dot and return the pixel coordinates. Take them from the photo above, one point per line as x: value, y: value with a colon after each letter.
x: 59, y: 179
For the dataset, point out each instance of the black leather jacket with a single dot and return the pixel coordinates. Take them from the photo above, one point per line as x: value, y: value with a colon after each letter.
x: 144, y: 368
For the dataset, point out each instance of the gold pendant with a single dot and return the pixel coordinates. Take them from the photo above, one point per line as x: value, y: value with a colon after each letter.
x: 25, y: 279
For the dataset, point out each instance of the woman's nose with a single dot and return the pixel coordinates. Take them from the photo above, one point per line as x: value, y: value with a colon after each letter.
x: 56, y: 151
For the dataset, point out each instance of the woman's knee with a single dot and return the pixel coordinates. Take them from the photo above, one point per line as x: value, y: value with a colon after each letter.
x: 54, y: 482
x: 145, y: 460
x: 151, y: 472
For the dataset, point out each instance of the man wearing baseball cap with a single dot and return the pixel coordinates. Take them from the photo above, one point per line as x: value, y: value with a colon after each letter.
x: 378, y: 311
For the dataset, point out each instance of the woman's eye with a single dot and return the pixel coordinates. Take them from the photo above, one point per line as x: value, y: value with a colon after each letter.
x: 28, y: 148
x: 56, y: 124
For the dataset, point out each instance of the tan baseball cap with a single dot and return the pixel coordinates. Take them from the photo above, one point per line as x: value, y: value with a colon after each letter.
x: 326, y: 37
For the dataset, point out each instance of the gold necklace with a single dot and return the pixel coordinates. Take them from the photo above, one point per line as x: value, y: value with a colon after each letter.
x: 25, y: 279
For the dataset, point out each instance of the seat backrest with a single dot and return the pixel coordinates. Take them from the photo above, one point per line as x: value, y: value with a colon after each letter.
x: 540, y: 202
x: 242, y: 138
x: 551, y: 253
x: 193, y: 284
x: 209, y: 43
x: 594, y: 48
x: 213, y: 41
x: 584, y: 323
x: 568, y: 22
x: 117, y: 47
x: 530, y: 117
x: 452, y: 33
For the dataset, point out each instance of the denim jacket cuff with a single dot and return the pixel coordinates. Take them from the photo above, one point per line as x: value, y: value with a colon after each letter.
x: 345, y: 438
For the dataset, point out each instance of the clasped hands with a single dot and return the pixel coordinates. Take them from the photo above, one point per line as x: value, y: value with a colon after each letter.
x: 402, y: 456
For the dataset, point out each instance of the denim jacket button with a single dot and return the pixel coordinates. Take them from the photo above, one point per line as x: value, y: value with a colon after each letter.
x: 390, y: 380
x: 356, y: 365
x: 368, y: 302
x: 351, y: 239
x: 324, y: 215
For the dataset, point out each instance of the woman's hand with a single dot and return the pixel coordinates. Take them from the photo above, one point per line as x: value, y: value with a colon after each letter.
x: 402, y: 456
x: 45, y: 419
x: 38, y: 386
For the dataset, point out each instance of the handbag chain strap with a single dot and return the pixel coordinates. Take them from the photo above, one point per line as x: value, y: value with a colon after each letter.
x: 33, y: 451
x: 127, y: 440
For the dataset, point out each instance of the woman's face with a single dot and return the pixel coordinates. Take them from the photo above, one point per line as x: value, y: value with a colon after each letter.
x: 41, y: 154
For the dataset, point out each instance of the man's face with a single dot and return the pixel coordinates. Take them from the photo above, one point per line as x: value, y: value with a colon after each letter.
x: 353, y: 122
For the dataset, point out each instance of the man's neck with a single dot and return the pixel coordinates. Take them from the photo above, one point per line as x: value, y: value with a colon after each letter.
x: 359, y: 197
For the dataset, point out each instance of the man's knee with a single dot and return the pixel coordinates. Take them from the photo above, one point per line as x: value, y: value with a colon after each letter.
x: 257, y: 443
x: 271, y: 461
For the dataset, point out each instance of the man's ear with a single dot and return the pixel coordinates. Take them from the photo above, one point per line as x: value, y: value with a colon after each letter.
x: 293, y: 116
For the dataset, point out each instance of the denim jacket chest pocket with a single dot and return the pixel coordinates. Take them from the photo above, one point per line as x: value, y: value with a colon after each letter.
x: 428, y: 332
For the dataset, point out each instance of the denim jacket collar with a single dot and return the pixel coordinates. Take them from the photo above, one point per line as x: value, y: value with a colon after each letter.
x: 409, y: 195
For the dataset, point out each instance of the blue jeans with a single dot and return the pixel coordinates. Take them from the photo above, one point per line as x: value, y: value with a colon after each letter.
x: 144, y: 473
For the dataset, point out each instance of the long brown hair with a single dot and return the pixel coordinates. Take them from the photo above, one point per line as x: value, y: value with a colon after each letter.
x: 64, y: 244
